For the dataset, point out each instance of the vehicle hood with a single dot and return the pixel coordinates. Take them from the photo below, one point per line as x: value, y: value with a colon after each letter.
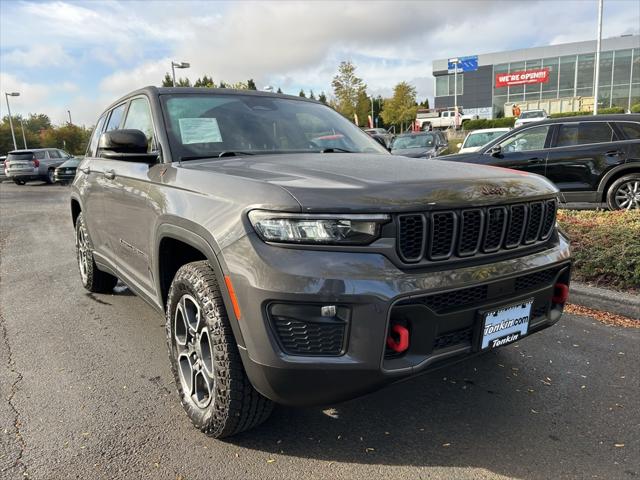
x: 336, y: 182
x: 414, y: 152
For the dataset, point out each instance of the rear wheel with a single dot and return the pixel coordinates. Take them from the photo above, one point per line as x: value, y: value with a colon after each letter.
x: 624, y: 193
x: 211, y: 381
x: 19, y: 182
x: 92, y: 279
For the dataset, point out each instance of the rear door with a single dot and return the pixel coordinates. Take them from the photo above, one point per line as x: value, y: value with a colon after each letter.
x: 581, y: 153
x: 524, y: 150
x: 630, y: 132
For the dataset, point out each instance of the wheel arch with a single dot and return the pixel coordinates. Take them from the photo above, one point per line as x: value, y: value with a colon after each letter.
x: 177, y: 246
x: 614, y: 174
x: 76, y: 210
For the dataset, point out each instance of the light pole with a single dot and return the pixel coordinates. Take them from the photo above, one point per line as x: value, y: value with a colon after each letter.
x: 373, y: 122
x: 455, y: 89
x: 597, y: 79
x: 175, y: 65
x: 69, y: 112
x: 24, y: 139
x: 13, y: 135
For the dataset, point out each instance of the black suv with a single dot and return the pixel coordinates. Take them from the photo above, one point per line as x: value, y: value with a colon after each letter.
x: 589, y: 158
x: 295, y: 259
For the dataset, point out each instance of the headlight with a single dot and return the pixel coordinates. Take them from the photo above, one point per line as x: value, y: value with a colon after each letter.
x: 317, y: 228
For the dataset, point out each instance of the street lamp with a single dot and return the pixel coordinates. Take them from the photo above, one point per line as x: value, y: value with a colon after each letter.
x: 175, y: 65
x: 597, y: 75
x: 13, y: 135
x: 455, y: 62
x: 69, y: 112
x: 24, y: 139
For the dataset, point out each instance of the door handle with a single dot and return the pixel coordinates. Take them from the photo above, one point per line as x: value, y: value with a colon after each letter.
x: 535, y: 160
x: 110, y: 174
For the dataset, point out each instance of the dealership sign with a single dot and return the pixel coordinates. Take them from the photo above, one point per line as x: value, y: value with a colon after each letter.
x: 525, y: 77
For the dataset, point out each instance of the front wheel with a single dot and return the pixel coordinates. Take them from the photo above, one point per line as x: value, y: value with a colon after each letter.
x: 211, y: 381
x: 50, y: 176
x: 624, y: 193
x: 19, y: 182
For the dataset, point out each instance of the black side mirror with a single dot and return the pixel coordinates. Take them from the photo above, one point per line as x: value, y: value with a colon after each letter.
x: 496, y: 151
x: 126, y: 145
x: 381, y: 141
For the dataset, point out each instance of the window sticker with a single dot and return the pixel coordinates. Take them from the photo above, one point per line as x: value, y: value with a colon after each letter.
x: 199, y: 130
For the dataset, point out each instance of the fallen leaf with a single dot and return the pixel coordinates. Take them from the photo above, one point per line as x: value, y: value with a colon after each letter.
x: 618, y: 445
x: 271, y: 460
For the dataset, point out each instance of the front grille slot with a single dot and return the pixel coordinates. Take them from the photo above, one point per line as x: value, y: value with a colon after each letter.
x: 439, y: 236
x: 411, y: 237
x: 459, y: 337
x: 442, y: 302
x: 537, y: 279
x: 443, y: 231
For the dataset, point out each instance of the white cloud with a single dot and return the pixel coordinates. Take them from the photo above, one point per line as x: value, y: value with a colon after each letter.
x: 41, y: 55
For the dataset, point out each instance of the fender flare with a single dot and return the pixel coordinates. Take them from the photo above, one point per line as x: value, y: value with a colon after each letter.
x: 197, y: 241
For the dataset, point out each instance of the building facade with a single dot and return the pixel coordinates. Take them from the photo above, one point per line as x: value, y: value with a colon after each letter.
x: 558, y: 77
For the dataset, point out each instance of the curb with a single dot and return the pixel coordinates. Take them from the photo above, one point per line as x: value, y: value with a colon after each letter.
x: 606, y: 300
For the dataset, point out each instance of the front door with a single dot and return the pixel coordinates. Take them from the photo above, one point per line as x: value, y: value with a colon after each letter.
x: 524, y: 150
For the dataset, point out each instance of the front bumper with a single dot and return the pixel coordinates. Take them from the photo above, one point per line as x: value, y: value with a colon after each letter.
x: 375, y: 291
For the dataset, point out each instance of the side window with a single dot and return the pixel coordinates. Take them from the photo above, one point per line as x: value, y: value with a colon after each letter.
x: 139, y: 117
x: 530, y: 139
x: 630, y: 130
x: 567, y: 135
x: 595, y: 132
x: 41, y: 155
x: 115, y: 118
x: 54, y: 154
x: 95, y: 136
x: 64, y: 154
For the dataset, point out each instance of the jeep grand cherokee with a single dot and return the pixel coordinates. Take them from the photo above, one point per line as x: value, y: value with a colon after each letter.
x: 295, y: 260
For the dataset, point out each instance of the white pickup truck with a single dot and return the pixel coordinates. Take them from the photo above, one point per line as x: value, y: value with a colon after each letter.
x: 443, y: 119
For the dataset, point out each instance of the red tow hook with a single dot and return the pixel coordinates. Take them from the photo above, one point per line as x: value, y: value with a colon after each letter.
x: 402, y: 344
x: 560, y: 293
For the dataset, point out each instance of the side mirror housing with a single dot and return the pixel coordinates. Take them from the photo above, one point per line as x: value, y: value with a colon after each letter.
x: 126, y: 145
x: 496, y: 151
x: 381, y: 141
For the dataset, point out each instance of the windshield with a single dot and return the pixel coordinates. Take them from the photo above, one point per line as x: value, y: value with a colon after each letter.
x: 532, y: 114
x: 73, y: 162
x: 209, y: 125
x: 481, y: 139
x: 414, y: 141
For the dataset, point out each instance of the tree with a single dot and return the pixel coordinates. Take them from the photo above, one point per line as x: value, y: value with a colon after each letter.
x: 167, y: 81
x: 72, y: 138
x: 425, y: 104
x: 251, y: 85
x: 311, y: 95
x: 279, y: 90
x: 301, y: 94
x: 183, y: 82
x: 322, y: 98
x: 401, y: 108
x: 204, y: 82
x: 222, y: 84
x: 348, y: 90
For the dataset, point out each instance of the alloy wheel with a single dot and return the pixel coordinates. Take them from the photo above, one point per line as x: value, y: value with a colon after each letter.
x: 627, y: 196
x: 83, y: 252
x: 194, y: 351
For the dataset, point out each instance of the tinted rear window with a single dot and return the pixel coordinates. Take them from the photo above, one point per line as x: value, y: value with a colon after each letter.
x: 631, y: 130
x: 584, y: 133
x: 20, y: 156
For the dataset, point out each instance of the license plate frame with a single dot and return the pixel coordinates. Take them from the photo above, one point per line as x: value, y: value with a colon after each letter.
x: 510, y: 321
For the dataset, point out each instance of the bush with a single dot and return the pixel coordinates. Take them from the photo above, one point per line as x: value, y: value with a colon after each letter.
x: 605, y: 246
x: 488, y: 123
x: 635, y: 108
x: 602, y: 111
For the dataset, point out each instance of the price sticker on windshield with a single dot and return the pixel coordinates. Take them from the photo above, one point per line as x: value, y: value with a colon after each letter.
x: 199, y: 130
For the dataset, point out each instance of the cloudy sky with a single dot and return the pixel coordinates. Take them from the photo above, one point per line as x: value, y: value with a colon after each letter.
x: 80, y: 56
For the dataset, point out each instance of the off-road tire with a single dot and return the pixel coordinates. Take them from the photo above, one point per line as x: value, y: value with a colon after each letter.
x: 94, y: 280
x: 234, y: 405
x: 625, y: 180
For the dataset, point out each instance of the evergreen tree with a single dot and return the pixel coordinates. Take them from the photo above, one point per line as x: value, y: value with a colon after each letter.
x: 279, y: 90
x: 301, y: 94
x: 251, y: 85
x: 311, y: 95
x: 322, y: 98
x: 167, y: 81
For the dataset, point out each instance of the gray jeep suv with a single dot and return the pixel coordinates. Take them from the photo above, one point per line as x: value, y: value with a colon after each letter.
x: 295, y: 260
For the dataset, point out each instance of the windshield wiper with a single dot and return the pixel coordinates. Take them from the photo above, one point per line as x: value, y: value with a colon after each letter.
x: 335, y: 150
x: 230, y: 153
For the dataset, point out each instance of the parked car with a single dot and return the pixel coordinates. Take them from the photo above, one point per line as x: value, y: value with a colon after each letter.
x: 419, y: 145
x: 34, y: 164
x: 3, y: 175
x: 589, y: 158
x: 381, y: 133
x: 530, y: 116
x: 479, y: 138
x: 295, y: 273
x: 66, y: 172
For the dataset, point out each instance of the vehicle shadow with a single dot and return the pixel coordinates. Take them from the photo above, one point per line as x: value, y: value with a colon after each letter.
x: 484, y: 414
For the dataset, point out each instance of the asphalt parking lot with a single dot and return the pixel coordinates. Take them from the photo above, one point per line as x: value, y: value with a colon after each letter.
x: 86, y: 392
